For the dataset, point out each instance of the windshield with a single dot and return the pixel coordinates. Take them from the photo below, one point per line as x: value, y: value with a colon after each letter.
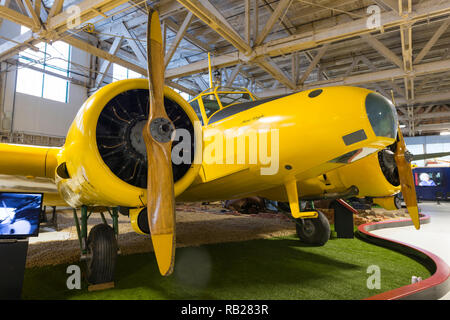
x: 382, y: 115
x: 231, y: 98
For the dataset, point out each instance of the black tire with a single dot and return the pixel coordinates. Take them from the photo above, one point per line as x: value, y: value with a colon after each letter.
x: 398, y: 201
x: 102, y: 254
x: 314, y: 231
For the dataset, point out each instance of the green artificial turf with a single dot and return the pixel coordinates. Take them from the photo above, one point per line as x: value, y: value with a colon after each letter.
x: 278, y: 268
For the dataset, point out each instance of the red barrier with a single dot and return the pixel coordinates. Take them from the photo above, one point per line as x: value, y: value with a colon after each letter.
x: 429, y: 289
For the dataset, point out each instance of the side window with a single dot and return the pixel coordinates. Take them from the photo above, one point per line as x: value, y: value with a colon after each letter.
x: 196, y: 107
x: 210, y: 103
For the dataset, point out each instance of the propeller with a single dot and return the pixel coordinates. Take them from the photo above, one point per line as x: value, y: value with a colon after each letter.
x: 402, y: 159
x: 158, y: 141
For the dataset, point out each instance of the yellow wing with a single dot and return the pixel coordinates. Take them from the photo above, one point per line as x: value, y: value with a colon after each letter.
x: 30, y: 169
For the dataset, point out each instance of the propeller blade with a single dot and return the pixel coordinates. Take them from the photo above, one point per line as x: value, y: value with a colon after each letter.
x: 407, y: 180
x: 158, y: 140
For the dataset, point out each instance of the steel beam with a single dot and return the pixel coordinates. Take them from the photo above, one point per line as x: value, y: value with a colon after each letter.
x: 271, y: 68
x: 206, y: 12
x: 440, y: 31
x: 107, y: 64
x: 83, y: 45
x: 180, y: 35
x: 33, y: 14
x: 433, y: 127
x: 382, y: 49
x: 56, y: 8
x: 136, y: 46
x: 281, y: 8
x: 314, y: 63
x: 188, y: 37
x: 58, y: 23
x: 372, y: 77
x: 313, y: 39
x: 16, y: 17
x: 389, y: 4
x: 233, y: 75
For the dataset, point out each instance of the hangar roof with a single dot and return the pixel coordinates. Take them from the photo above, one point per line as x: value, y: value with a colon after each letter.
x: 271, y: 47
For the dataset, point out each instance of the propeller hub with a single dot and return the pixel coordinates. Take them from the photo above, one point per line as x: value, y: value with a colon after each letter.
x: 136, y: 138
x: 409, y: 156
x: 162, y: 130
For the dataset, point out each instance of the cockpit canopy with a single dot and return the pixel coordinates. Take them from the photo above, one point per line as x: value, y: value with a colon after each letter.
x: 215, y: 99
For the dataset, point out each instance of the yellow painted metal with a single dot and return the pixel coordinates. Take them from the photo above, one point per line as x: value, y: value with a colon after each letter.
x: 306, y: 215
x: 387, y: 203
x: 210, y: 70
x: 310, y: 134
x: 165, y: 252
x: 407, y: 181
x: 307, y: 133
x: 216, y: 92
x: 134, y: 215
x: 292, y: 193
x: 91, y: 182
x: 53, y: 200
x: 366, y: 174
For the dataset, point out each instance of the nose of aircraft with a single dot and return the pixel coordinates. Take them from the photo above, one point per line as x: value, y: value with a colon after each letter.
x: 382, y: 115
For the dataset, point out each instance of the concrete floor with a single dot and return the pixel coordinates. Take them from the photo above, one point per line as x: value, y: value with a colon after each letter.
x: 434, y: 236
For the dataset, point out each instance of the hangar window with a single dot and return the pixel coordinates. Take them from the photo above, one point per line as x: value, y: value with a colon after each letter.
x: 122, y: 73
x: 43, y: 73
x: 185, y: 95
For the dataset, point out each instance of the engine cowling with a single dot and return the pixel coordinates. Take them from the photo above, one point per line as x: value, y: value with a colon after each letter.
x: 367, y: 175
x: 103, y: 162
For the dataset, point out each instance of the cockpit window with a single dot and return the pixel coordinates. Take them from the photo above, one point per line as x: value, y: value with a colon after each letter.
x: 210, y: 103
x: 231, y: 98
x: 196, y: 107
x: 382, y: 115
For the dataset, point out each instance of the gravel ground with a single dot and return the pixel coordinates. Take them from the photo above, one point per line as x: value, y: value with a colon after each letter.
x: 197, y: 224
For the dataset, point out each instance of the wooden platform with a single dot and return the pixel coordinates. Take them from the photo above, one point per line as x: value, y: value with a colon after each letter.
x: 101, y: 286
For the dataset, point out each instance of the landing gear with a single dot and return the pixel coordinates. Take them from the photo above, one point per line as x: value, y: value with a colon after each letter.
x: 102, y: 254
x: 315, y: 231
x: 312, y: 231
x: 398, y: 199
x: 100, y: 248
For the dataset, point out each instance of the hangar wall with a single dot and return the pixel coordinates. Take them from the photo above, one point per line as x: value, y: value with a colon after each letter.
x: 427, y: 145
x: 35, y: 115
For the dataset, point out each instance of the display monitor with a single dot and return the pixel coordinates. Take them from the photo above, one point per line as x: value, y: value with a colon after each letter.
x: 19, y: 215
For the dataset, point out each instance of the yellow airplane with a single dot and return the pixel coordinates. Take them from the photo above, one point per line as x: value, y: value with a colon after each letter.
x: 124, y: 147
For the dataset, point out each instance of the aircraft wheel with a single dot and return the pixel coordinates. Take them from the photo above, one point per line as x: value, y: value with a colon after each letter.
x: 102, y: 254
x: 398, y: 201
x: 314, y: 231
